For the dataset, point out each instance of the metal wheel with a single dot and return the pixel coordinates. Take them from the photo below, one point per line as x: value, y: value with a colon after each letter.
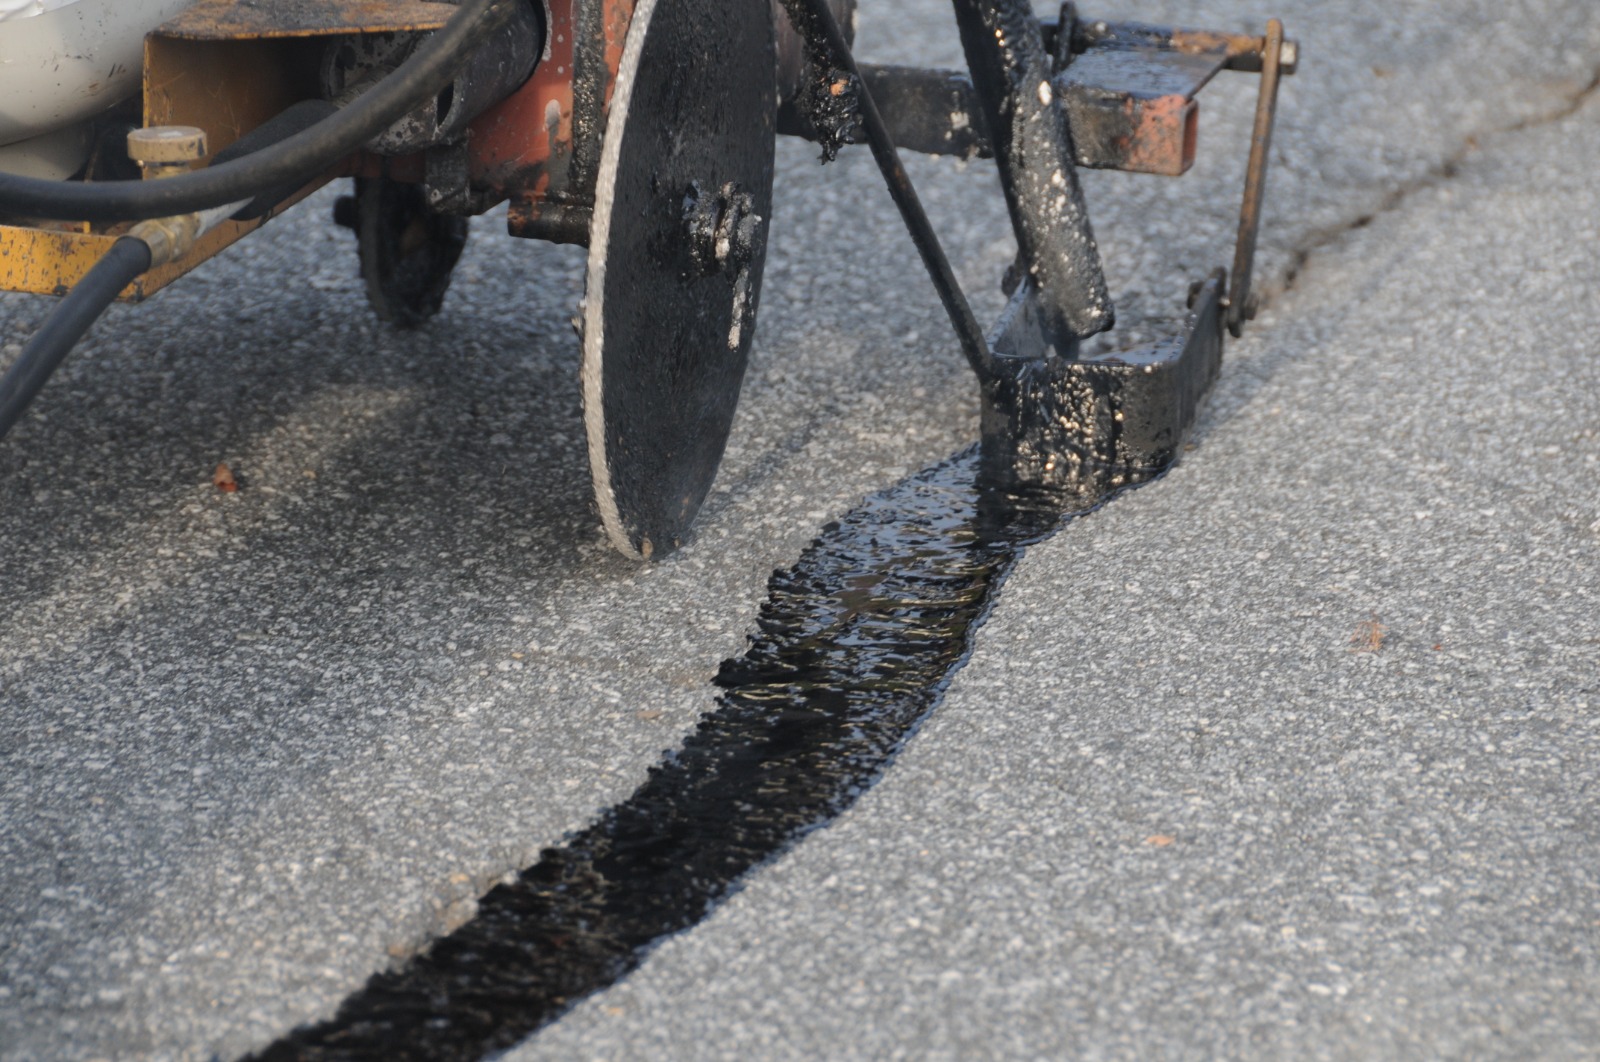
x: 408, y: 250
x: 676, y: 249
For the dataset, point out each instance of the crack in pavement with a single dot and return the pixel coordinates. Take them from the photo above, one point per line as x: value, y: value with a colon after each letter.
x: 1444, y: 170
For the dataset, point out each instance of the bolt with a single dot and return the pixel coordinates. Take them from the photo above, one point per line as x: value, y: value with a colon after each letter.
x: 723, y: 229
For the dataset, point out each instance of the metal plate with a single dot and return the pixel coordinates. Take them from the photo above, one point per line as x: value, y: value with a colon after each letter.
x: 229, y: 20
x: 667, y: 322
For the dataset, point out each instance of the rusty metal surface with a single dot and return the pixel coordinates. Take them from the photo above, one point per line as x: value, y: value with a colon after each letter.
x: 540, y: 147
x: 1122, y: 130
x: 225, y: 20
x: 226, y: 87
x: 936, y: 112
x: 522, y: 146
x: 1237, y: 51
x: 1240, y: 307
x: 1146, y: 73
x: 1134, y: 94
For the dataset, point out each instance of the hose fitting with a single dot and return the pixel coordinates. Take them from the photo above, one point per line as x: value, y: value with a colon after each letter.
x: 165, y: 151
x: 169, y: 238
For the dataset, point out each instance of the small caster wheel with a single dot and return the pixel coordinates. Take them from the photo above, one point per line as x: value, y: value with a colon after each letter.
x: 407, y: 249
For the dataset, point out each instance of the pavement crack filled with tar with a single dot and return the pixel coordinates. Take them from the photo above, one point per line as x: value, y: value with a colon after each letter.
x: 854, y: 647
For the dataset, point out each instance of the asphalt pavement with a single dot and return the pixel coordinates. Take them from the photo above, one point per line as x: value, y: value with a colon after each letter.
x: 1291, y: 752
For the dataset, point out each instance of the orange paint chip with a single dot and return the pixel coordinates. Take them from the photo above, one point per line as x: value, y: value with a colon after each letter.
x: 223, y: 479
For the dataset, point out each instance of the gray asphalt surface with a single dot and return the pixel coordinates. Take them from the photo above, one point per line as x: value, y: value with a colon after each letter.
x: 260, y: 745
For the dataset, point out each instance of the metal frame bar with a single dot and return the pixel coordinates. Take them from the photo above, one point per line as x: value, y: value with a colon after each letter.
x: 1011, y: 73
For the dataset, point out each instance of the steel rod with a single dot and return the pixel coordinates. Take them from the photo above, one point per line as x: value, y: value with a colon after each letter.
x: 968, y: 331
x: 1255, y: 182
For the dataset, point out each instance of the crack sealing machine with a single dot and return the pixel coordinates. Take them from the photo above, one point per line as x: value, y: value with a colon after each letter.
x: 140, y: 137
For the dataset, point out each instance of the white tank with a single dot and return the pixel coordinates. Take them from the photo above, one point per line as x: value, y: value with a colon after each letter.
x: 61, y: 62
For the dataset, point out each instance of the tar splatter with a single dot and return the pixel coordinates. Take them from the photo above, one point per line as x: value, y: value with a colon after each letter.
x: 855, y: 645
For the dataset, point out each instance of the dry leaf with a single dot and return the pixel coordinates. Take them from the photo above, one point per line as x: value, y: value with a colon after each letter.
x: 651, y: 714
x: 223, y: 479
x: 1368, y: 637
x: 1159, y: 840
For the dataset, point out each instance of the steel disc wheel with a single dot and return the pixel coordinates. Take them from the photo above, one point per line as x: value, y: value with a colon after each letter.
x: 675, y: 256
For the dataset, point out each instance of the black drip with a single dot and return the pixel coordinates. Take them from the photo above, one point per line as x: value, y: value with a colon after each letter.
x: 856, y: 644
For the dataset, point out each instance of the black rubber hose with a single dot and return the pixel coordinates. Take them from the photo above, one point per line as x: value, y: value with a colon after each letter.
x: 67, y: 323
x: 275, y: 130
x: 297, y: 158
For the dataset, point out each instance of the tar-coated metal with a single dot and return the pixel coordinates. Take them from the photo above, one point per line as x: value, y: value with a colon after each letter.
x: 666, y: 331
x: 1117, y: 418
x: 1033, y: 148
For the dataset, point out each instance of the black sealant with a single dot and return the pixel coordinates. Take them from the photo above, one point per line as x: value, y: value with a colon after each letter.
x: 855, y: 645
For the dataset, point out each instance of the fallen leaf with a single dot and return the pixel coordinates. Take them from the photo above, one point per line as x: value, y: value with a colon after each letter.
x: 651, y: 714
x: 223, y: 479
x: 1159, y: 840
x: 1368, y: 636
